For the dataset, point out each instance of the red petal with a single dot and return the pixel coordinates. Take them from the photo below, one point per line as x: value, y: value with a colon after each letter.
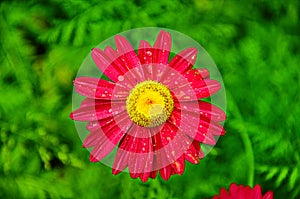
x: 162, y: 48
x: 224, y: 194
x: 256, y: 191
x: 206, y: 109
x: 94, y: 87
x: 192, y: 154
x: 153, y: 174
x: 145, y: 176
x: 92, y: 139
x: 145, y: 52
x: 92, y: 110
x: 178, y: 165
x: 141, y: 158
x: 128, y: 59
x: 109, y: 136
x: 166, y: 172
x: 196, y: 74
x: 104, y: 64
x: 205, y: 88
x: 185, y: 122
x: 124, y: 48
x: 268, y: 195
x: 184, y: 60
x: 120, y: 162
x: 137, y: 150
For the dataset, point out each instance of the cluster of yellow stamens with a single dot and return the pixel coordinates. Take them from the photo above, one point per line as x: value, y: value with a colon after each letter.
x: 149, y: 104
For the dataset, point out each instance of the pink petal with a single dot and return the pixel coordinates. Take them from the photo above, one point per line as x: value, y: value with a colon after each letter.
x: 210, y: 127
x: 178, y: 165
x: 145, y: 52
x: 124, y: 48
x: 205, y: 138
x: 120, y: 162
x: 108, y: 138
x: 211, y: 112
x: 206, y: 132
x: 192, y: 154
x: 104, y: 64
x: 169, y: 146
x: 137, y: 150
x: 185, y: 123
x: 141, y: 158
x: 206, y: 109
x: 92, y: 139
x: 128, y: 59
x: 92, y: 110
x: 184, y: 60
x: 205, y: 88
x: 196, y: 74
x: 200, y: 89
x: 162, y: 48
x: 95, y: 125
x: 96, y: 88
x: 166, y: 134
x: 172, y: 79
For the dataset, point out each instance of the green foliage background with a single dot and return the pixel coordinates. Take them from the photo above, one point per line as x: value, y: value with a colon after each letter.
x: 255, y: 44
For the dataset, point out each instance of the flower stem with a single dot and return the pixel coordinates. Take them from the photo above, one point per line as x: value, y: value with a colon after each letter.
x: 245, y: 138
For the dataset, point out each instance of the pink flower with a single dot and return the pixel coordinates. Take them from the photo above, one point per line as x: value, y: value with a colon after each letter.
x: 243, y: 192
x: 151, y: 110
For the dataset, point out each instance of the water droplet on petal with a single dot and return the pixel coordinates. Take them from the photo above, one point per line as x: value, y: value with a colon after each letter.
x: 149, y: 53
x: 120, y: 78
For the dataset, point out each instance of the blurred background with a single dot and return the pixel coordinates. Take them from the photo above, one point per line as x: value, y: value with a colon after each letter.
x: 255, y: 44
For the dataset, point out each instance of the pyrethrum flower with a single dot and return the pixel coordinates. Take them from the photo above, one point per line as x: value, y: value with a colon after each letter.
x: 150, y: 109
x: 243, y: 192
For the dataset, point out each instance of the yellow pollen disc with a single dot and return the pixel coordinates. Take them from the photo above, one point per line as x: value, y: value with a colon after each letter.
x: 149, y: 104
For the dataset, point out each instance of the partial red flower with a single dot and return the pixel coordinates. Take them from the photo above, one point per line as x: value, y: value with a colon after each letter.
x: 150, y: 110
x: 243, y: 192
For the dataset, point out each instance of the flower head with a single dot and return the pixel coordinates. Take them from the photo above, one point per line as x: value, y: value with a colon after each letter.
x: 150, y: 110
x: 243, y: 192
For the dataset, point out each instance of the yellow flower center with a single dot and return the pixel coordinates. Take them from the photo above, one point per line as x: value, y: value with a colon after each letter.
x: 149, y: 104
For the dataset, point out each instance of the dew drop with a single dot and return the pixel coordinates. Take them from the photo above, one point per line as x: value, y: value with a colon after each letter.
x: 120, y: 78
x: 149, y: 53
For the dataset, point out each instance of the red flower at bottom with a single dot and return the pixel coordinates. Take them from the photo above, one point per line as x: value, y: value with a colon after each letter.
x: 243, y: 192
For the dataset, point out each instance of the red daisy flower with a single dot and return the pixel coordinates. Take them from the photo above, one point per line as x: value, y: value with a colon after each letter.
x: 243, y: 192
x: 151, y: 111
